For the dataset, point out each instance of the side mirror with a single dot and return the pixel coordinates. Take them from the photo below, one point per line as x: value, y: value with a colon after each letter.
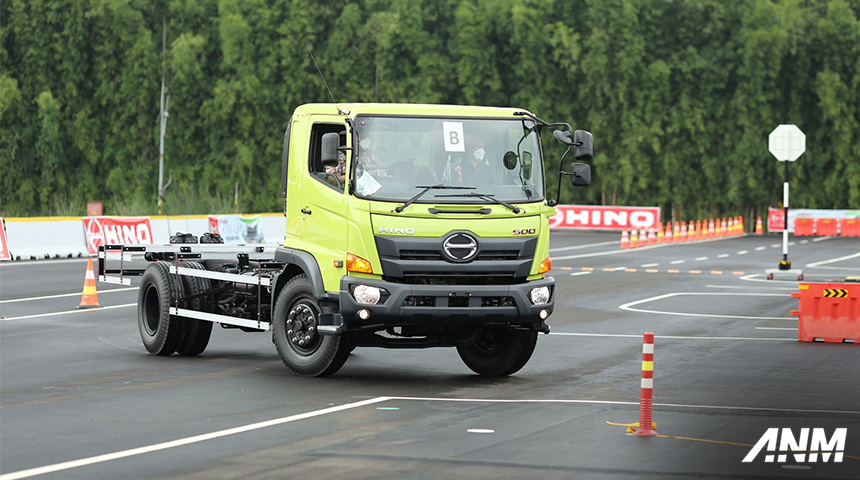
x: 328, y: 153
x: 580, y: 174
x: 510, y: 160
x: 583, y: 148
x: 527, y: 164
x: 563, y: 136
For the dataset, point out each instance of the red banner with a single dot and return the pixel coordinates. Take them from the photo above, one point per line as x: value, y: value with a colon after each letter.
x: 775, y: 219
x: 4, y: 247
x: 116, y: 230
x: 593, y: 217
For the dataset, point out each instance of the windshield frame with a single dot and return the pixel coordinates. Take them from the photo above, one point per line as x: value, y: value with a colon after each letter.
x: 432, y: 200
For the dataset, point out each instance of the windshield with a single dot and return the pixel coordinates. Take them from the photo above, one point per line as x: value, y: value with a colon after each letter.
x: 398, y: 155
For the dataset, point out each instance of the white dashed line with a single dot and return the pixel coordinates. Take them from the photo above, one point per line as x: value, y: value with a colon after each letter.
x: 804, y: 241
x: 758, y: 249
x: 701, y: 259
x: 821, y: 239
x: 775, y: 245
x: 649, y: 265
x: 723, y: 255
x: 579, y: 273
x: 776, y: 328
x: 743, y: 252
x: 676, y: 262
x: 790, y: 244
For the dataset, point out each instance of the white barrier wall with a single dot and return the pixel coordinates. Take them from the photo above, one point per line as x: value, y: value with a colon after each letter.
x: 38, y: 237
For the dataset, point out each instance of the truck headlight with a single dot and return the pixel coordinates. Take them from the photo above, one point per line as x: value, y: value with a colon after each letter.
x: 367, y: 295
x: 539, y: 295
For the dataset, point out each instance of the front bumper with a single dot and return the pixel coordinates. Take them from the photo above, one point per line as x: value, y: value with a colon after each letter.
x: 453, y: 304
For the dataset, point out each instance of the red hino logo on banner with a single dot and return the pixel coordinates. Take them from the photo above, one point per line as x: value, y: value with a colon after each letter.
x: 604, y: 217
x: 116, y: 230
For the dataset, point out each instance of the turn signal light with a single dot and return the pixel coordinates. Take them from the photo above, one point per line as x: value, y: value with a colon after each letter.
x: 545, y: 265
x: 354, y: 263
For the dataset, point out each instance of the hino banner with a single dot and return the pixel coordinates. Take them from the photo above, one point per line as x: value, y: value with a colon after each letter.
x: 594, y: 217
x: 237, y: 229
x: 116, y: 230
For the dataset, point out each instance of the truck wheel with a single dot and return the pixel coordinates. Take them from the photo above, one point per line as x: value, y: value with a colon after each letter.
x: 499, y: 351
x: 304, y: 351
x: 159, y: 330
x: 195, y: 333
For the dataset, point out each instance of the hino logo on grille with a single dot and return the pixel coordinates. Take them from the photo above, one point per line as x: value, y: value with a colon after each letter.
x: 460, y: 247
x: 397, y: 230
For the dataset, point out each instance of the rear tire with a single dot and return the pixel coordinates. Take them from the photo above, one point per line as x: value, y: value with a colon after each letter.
x: 195, y: 333
x: 499, y: 351
x: 296, y: 316
x: 159, y: 330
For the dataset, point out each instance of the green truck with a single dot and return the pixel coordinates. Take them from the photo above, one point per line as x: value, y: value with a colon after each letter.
x: 407, y: 226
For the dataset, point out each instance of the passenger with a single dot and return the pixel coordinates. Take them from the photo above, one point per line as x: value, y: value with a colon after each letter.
x: 473, y: 171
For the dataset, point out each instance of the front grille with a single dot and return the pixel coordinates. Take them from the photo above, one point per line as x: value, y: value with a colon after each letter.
x: 497, y: 301
x: 420, y: 255
x: 499, y: 255
x: 464, y: 277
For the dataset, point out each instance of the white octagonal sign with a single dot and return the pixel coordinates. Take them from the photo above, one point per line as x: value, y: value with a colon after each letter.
x: 786, y: 143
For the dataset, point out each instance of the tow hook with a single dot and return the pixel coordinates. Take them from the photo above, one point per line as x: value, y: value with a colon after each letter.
x: 543, y: 327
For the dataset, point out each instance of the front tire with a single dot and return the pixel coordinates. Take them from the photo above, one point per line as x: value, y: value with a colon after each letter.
x: 499, y: 351
x: 159, y: 330
x: 303, y: 350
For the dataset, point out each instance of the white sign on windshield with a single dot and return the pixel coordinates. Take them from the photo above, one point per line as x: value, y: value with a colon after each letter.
x: 454, y: 139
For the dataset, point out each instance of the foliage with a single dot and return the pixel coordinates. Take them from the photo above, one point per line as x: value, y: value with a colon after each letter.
x: 680, y: 96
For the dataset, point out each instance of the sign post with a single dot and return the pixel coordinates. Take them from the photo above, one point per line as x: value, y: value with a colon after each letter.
x: 787, y: 143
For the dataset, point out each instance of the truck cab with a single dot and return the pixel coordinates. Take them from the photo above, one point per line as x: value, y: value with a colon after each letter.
x: 413, y: 226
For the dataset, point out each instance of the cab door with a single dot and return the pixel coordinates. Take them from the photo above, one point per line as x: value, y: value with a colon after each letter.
x: 324, y: 204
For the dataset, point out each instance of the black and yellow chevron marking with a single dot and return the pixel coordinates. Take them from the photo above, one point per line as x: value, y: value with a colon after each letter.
x: 835, y: 293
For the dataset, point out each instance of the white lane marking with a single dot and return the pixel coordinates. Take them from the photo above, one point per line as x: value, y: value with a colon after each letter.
x: 701, y: 259
x: 821, y: 239
x: 776, y: 328
x: 649, y: 265
x: 629, y: 306
x: 480, y: 430
x: 790, y: 244
x: 639, y: 249
x: 68, y: 312
x: 758, y: 249
x: 588, y: 245
x: 676, y: 262
x: 576, y: 274
x: 34, y: 263
x: 743, y: 252
x: 57, y: 467
x: 834, y: 260
x: 775, y: 245
x: 615, y: 402
x: 804, y: 241
x: 723, y: 255
x: 14, y: 300
x: 790, y: 289
x: 670, y: 337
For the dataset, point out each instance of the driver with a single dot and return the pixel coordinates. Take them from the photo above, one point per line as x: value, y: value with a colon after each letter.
x: 473, y: 171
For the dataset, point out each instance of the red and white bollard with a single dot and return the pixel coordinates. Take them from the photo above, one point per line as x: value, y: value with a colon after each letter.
x: 646, y: 398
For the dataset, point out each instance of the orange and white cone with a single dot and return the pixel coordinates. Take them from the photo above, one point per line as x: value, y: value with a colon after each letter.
x: 669, y: 238
x: 652, y: 236
x: 699, y: 234
x: 712, y: 232
x: 625, y: 241
x: 634, y: 239
x: 759, y: 228
x: 684, y: 237
x: 660, y: 237
x: 89, y: 297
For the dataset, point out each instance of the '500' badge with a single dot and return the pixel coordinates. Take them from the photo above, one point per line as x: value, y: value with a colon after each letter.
x: 525, y: 231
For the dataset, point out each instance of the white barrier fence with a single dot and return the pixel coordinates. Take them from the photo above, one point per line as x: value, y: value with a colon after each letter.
x: 51, y: 237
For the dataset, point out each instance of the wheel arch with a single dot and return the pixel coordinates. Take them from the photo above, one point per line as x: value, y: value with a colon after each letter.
x: 299, y: 262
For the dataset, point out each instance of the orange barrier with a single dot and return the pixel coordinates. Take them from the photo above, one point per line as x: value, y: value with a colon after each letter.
x: 759, y: 228
x: 850, y: 227
x: 828, y: 312
x: 804, y: 227
x: 826, y: 227
x: 89, y: 297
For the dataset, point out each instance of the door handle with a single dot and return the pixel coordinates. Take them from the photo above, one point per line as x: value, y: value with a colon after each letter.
x: 306, y: 211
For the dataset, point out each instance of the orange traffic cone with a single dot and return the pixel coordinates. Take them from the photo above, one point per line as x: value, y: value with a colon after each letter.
x: 759, y: 228
x: 660, y: 238
x: 634, y: 239
x: 677, y: 232
x: 684, y: 236
x: 691, y: 231
x: 741, y: 229
x: 724, y: 230
x: 669, y: 238
x: 643, y: 237
x: 711, y: 228
x: 89, y: 298
x: 625, y: 241
x: 699, y: 232
x: 652, y: 236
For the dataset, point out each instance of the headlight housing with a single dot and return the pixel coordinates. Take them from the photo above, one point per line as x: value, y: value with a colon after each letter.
x: 539, y: 295
x: 368, y: 295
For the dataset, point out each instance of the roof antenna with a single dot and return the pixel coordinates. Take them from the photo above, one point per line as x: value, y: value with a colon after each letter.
x: 339, y: 111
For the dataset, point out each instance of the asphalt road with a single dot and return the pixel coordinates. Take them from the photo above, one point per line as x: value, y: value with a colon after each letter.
x: 78, y: 386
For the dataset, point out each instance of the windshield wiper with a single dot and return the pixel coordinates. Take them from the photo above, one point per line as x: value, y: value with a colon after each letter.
x: 427, y: 188
x: 483, y: 196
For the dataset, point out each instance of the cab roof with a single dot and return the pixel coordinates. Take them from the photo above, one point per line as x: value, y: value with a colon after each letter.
x: 406, y: 109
